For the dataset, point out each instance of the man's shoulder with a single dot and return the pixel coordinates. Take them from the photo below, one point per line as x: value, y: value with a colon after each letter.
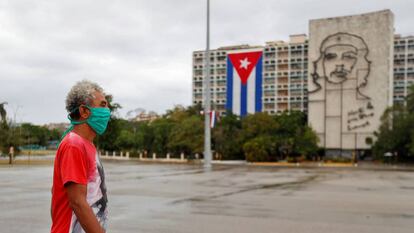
x: 72, y: 140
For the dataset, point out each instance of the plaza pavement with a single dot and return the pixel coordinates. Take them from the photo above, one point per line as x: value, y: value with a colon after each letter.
x: 148, y: 197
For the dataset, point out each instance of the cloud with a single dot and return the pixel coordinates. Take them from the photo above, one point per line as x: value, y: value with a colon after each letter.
x: 139, y: 51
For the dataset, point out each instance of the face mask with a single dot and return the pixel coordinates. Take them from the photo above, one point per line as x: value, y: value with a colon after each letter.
x: 98, y: 120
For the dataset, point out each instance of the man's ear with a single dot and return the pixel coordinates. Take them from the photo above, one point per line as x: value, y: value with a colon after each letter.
x: 84, y: 112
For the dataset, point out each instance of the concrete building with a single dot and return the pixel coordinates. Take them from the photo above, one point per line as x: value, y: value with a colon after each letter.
x: 284, y: 75
x: 145, y: 117
x: 351, y: 76
x: 403, y: 66
x: 289, y: 70
x: 218, y: 83
x: 58, y: 126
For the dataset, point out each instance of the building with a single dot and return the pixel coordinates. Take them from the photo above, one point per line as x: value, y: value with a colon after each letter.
x: 350, y: 79
x: 403, y: 66
x: 284, y: 83
x: 284, y: 75
x: 57, y: 126
x: 218, y: 82
x: 145, y: 117
x: 289, y: 69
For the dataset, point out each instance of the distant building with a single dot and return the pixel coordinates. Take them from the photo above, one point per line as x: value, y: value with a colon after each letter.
x: 146, y: 117
x: 285, y: 73
x: 292, y: 73
x: 350, y: 79
x: 403, y: 66
x: 284, y: 81
x: 59, y: 126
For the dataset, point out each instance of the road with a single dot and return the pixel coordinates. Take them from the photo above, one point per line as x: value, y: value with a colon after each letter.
x: 163, y: 198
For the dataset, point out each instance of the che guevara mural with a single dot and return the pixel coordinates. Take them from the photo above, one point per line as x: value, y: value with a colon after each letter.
x: 349, y: 78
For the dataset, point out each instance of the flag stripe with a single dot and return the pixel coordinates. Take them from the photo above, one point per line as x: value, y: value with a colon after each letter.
x: 236, y: 93
x: 251, y: 92
x: 243, y: 101
x: 229, y: 102
x: 212, y: 119
x: 259, y: 85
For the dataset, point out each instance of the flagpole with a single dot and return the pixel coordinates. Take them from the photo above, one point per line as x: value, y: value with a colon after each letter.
x: 207, y: 107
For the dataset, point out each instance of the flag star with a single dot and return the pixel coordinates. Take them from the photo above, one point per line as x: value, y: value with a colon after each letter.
x: 244, y: 63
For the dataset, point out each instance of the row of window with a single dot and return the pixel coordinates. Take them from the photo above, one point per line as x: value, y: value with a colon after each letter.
x: 400, y: 48
x: 286, y: 47
x: 200, y: 90
x: 402, y: 55
x: 401, y: 84
x: 211, y: 66
x: 403, y: 69
x: 403, y: 41
x: 402, y: 61
x: 212, y: 78
x: 212, y: 53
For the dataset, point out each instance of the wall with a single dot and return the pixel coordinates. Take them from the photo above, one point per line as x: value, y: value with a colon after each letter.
x: 350, y: 74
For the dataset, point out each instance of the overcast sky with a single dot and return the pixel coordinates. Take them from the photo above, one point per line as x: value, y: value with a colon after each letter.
x: 139, y: 51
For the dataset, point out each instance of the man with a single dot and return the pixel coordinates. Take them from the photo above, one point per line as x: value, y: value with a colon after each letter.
x: 79, y: 201
x: 11, y: 154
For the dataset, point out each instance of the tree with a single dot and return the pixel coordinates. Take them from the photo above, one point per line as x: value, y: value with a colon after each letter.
x: 259, y: 124
x: 259, y: 135
x: 125, y: 140
x: 187, y: 136
x: 259, y: 149
x: 161, y: 129
x: 227, y: 140
x: 396, y: 132
x: 306, y: 142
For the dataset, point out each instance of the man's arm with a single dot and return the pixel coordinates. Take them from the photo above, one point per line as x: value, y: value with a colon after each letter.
x: 77, y: 201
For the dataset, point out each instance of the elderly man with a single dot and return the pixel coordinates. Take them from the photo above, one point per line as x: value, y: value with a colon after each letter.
x: 79, y: 201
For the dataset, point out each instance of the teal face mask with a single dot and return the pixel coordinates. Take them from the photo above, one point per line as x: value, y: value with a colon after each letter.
x: 98, y: 120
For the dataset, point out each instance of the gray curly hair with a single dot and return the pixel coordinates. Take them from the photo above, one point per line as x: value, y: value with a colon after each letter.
x: 81, y: 94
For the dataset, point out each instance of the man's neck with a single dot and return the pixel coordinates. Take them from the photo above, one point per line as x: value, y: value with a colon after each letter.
x: 85, y: 131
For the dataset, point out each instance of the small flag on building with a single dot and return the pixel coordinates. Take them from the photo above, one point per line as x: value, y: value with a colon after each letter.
x: 212, y: 119
x: 244, y: 82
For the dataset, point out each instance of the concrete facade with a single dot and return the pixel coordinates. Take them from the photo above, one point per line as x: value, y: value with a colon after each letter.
x: 351, y: 64
x: 285, y: 73
x: 403, y: 67
x: 381, y: 76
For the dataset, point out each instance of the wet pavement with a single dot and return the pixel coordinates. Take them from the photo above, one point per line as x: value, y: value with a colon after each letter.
x: 163, y: 198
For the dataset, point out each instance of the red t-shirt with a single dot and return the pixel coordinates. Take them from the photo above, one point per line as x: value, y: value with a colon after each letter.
x: 77, y: 161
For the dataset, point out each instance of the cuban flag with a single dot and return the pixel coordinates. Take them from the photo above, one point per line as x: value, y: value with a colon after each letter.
x: 212, y: 119
x: 244, y: 82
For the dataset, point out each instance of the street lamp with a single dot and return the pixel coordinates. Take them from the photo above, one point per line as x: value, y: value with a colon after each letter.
x: 207, y: 107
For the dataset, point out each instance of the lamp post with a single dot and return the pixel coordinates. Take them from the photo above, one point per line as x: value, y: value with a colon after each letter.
x: 207, y: 107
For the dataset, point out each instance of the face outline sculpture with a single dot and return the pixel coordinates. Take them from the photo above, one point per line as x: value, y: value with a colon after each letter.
x: 339, y: 62
x: 342, y: 56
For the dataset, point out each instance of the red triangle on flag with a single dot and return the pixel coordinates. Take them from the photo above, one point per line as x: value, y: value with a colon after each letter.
x: 244, y: 63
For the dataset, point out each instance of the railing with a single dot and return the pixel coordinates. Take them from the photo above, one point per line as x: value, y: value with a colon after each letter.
x: 121, y: 155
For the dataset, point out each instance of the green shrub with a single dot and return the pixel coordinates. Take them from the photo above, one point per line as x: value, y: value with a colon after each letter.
x: 257, y: 149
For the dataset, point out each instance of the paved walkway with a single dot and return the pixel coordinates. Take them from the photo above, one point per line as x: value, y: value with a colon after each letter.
x: 174, y: 198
